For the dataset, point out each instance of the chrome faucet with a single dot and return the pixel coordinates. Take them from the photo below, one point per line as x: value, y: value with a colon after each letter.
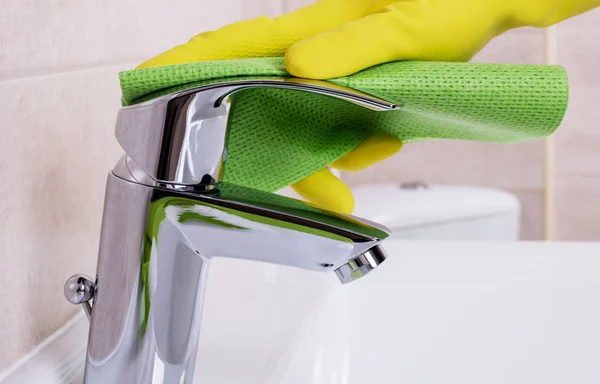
x: 167, y: 213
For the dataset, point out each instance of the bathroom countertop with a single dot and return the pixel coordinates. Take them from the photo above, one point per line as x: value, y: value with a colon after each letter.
x: 545, y: 293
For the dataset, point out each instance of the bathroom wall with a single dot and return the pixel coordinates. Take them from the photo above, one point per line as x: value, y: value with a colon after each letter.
x: 577, y: 168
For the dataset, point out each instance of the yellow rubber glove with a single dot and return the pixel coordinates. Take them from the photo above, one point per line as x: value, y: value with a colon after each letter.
x: 333, y: 38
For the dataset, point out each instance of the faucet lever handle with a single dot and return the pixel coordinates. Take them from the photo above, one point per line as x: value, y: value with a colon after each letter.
x: 180, y: 139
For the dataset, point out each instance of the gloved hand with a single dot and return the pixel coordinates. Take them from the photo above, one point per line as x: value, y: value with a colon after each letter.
x: 334, y: 38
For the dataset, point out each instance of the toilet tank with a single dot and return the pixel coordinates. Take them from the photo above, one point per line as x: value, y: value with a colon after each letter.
x: 441, y: 213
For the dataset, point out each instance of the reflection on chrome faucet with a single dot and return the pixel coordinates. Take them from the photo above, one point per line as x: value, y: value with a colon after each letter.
x: 167, y: 214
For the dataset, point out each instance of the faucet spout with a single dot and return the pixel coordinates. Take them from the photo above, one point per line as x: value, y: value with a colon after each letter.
x: 187, y: 230
x: 186, y: 132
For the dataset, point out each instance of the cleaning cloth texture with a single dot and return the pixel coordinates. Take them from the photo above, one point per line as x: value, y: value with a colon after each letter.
x: 278, y: 136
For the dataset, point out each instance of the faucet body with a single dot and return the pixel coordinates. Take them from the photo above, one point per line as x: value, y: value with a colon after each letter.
x: 167, y: 214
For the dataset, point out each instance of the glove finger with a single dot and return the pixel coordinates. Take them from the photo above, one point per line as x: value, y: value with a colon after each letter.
x: 375, y: 148
x: 408, y: 30
x: 263, y: 36
x: 325, y: 190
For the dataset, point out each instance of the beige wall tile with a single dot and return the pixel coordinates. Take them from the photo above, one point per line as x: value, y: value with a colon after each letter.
x: 582, y: 25
x: 578, y: 48
x: 578, y: 208
x: 57, y: 146
x: 579, y: 52
x: 290, y: 5
x: 578, y: 138
x: 507, y: 166
x: 46, y: 35
x: 256, y: 8
x: 520, y: 46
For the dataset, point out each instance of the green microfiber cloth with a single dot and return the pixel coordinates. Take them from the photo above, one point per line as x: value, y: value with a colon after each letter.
x: 278, y: 137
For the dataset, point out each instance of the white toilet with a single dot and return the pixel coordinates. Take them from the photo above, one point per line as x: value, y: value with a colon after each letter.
x: 441, y: 213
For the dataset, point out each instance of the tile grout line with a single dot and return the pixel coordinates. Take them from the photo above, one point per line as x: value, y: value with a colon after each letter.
x: 580, y: 174
x: 16, y: 76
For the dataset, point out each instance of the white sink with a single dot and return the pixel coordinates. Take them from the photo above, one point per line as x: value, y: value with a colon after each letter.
x: 524, y: 313
x: 432, y: 313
